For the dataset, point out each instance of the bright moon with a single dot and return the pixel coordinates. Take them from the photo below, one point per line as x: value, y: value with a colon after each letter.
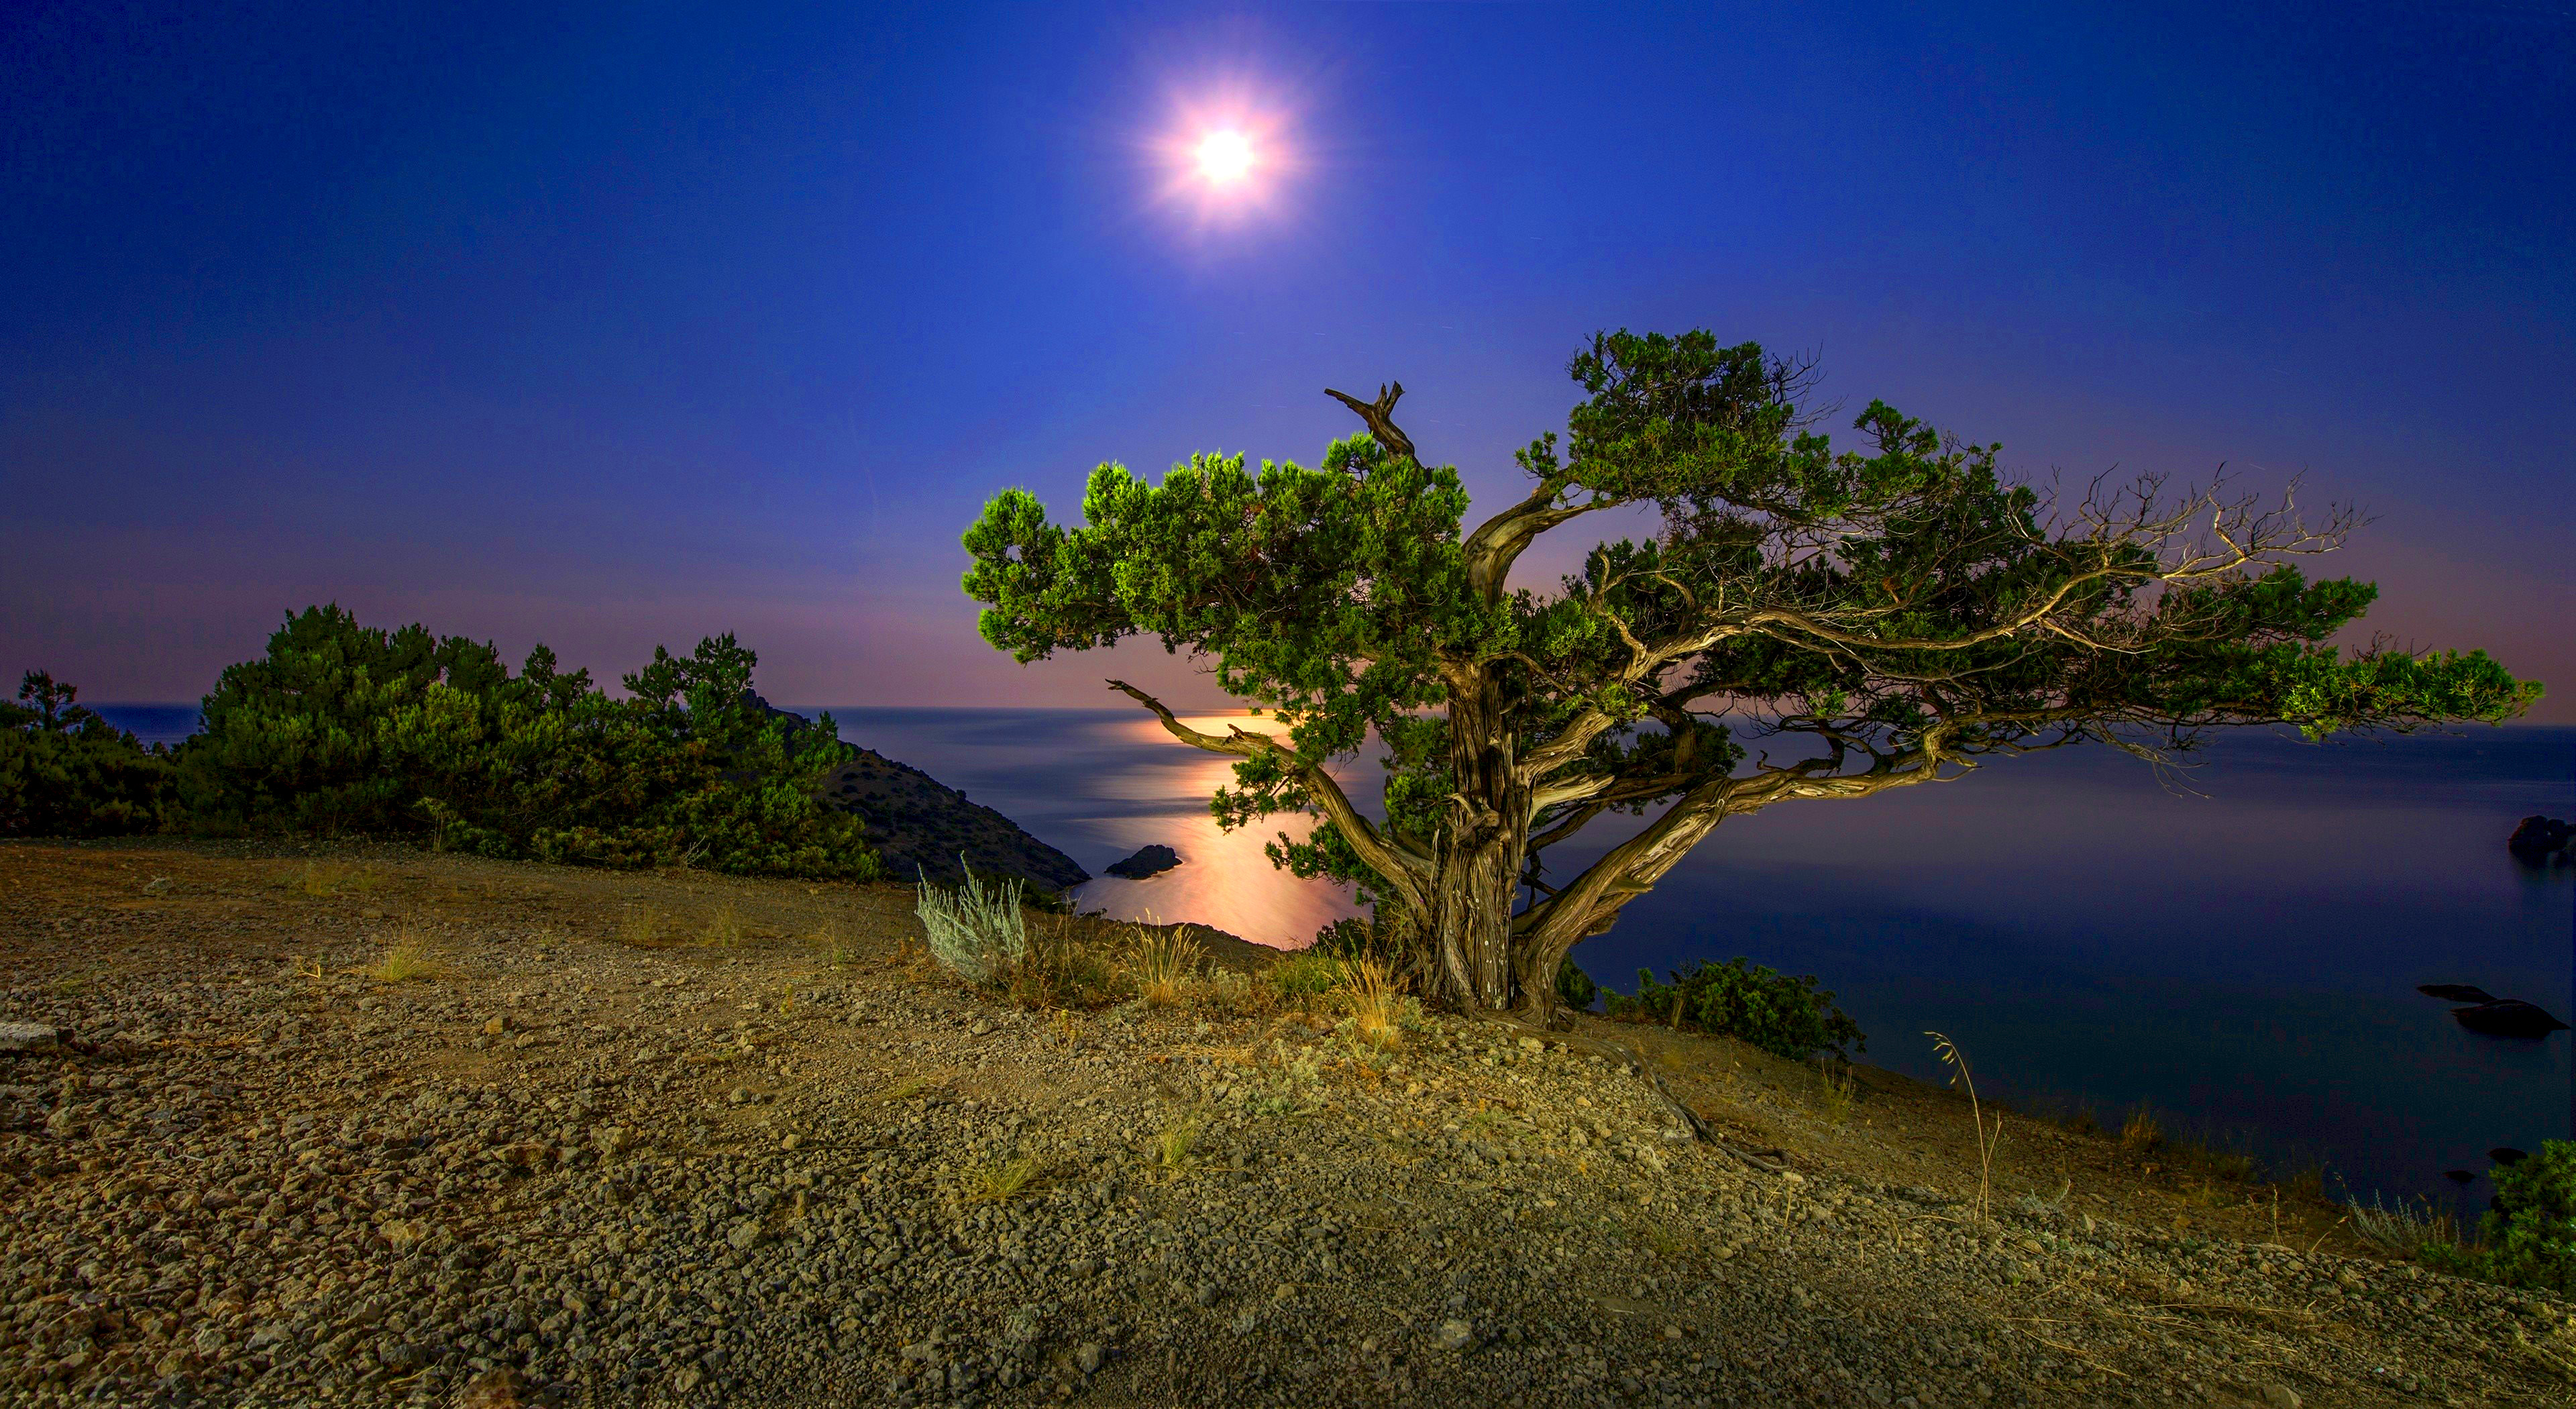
x: 1225, y: 157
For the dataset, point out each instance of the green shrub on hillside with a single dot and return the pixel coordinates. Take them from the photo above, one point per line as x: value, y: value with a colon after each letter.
x: 65, y: 772
x: 344, y: 728
x: 2529, y: 1238
x: 1786, y: 1016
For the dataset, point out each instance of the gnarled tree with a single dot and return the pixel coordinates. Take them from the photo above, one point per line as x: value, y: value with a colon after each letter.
x: 1902, y: 608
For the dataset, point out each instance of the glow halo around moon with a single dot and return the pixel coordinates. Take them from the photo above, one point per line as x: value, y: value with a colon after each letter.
x: 1224, y: 159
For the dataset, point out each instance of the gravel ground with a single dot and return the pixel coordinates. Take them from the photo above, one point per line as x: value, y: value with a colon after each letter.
x: 563, y: 1169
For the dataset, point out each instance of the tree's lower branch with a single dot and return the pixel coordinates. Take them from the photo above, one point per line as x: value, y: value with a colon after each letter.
x: 1403, y: 873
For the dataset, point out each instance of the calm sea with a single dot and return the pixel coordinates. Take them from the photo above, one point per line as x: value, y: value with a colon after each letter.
x: 2239, y: 953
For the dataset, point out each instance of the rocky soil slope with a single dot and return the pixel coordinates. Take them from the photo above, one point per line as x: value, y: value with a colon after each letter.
x: 689, y: 1140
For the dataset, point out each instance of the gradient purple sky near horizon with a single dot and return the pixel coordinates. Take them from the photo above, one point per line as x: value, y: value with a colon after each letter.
x: 622, y: 325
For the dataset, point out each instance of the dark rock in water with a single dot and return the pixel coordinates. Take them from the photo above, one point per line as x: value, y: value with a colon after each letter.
x: 922, y: 826
x: 2539, y: 838
x: 1148, y: 861
x: 2455, y: 992
x: 2458, y: 1176
x: 2508, y: 1017
x: 2508, y: 1155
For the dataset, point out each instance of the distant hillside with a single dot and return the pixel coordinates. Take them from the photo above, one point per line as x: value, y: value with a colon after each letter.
x: 922, y: 825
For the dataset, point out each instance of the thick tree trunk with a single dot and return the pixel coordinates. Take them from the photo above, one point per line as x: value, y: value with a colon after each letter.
x: 1477, y: 864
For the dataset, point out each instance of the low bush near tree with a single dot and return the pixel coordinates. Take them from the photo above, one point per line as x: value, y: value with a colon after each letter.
x: 2528, y: 1239
x: 1784, y: 1015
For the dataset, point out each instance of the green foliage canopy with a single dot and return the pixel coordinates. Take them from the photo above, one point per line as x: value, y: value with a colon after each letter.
x: 342, y: 728
x: 64, y: 771
x: 1882, y: 613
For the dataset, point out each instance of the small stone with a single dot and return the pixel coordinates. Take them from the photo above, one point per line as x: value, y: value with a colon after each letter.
x: 209, y: 1342
x: 31, y: 1037
x: 790, y: 1143
x: 744, y: 1234
x: 611, y: 1139
x: 2280, y: 1396
x: 981, y: 1028
x: 1087, y: 1357
x: 496, y: 1025
x: 1454, y: 1334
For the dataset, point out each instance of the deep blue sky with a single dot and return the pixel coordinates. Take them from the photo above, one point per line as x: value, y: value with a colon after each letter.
x: 633, y: 325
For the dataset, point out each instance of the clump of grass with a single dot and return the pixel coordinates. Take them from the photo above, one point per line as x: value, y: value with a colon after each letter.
x: 640, y: 926
x: 1000, y: 1180
x: 1164, y: 963
x: 1837, y: 1091
x: 724, y: 928
x: 2054, y: 1203
x: 1055, y: 970
x: 1233, y: 995
x: 1306, y: 976
x: 2407, y: 1227
x: 976, y: 933
x: 1957, y: 1061
x: 2141, y: 1131
x: 407, y: 956
x: 832, y: 946
x: 1374, y: 1005
x: 1173, y: 1151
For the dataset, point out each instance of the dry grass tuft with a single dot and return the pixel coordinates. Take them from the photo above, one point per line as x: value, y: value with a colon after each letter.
x: 1173, y: 1151
x: 407, y: 956
x: 1375, y: 1006
x: 640, y: 927
x: 724, y: 928
x: 997, y: 1180
x: 1056, y: 970
x: 2141, y: 1130
x: 2408, y: 1227
x: 1164, y: 963
x: 832, y: 945
x: 1837, y: 1091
